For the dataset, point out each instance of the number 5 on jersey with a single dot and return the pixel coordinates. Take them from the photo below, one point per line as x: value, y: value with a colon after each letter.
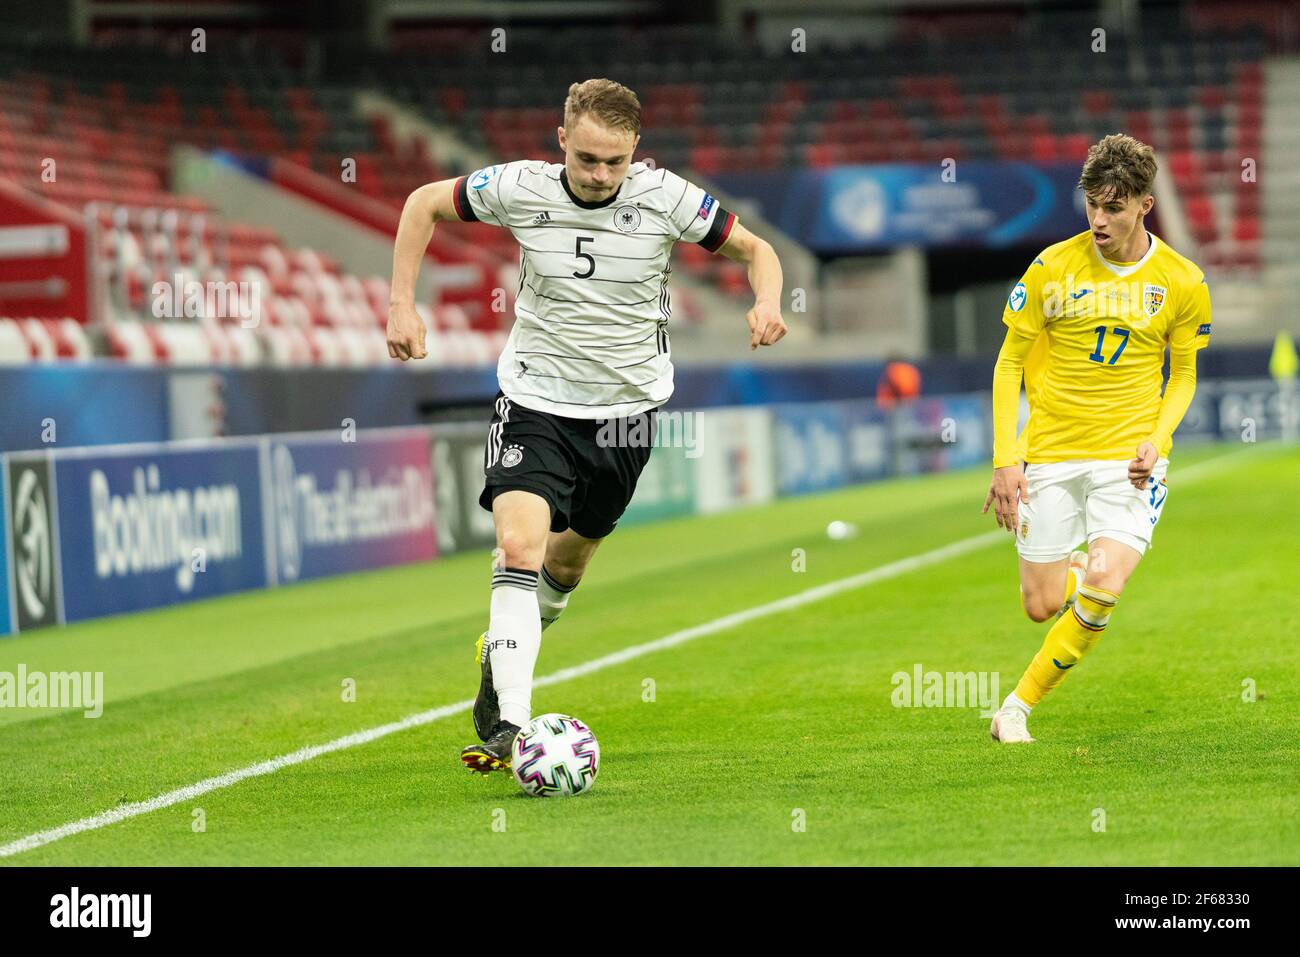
x: 591, y: 260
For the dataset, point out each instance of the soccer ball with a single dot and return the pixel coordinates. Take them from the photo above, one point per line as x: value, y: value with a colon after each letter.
x: 555, y: 755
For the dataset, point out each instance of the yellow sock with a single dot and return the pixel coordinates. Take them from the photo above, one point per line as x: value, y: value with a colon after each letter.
x: 1067, y: 641
x: 1073, y: 579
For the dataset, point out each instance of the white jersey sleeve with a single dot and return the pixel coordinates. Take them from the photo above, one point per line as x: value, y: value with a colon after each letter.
x: 698, y: 216
x: 486, y: 195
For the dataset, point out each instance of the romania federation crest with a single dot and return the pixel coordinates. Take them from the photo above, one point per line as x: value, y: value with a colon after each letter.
x: 1153, y: 298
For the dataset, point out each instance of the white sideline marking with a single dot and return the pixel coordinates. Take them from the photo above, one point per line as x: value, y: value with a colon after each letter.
x: 189, y: 792
x: 882, y: 573
x: 125, y: 811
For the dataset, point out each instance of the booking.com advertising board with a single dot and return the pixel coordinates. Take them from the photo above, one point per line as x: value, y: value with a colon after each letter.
x: 142, y: 529
x: 854, y: 209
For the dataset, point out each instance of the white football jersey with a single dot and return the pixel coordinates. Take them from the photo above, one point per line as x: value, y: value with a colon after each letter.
x: 590, y: 338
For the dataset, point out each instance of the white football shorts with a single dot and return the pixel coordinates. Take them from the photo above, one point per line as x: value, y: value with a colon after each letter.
x: 1087, y: 499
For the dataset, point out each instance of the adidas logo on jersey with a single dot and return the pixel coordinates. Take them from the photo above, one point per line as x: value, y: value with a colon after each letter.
x: 541, y: 219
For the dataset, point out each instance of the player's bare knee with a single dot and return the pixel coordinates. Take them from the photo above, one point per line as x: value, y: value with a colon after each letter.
x: 1038, y: 609
x: 1111, y: 581
x: 518, y: 549
x: 1032, y: 603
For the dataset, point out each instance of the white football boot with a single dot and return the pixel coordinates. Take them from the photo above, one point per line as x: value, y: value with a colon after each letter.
x: 1010, y: 726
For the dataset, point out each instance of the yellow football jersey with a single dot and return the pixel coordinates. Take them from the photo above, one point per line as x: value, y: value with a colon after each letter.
x: 1094, y: 379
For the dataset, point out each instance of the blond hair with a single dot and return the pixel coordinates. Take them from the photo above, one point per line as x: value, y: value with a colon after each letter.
x: 1118, y: 166
x: 611, y: 103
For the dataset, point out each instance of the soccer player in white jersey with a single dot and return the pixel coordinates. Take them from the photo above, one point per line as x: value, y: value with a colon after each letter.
x: 588, y: 358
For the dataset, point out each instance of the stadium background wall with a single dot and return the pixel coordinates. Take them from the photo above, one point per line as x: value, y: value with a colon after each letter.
x: 100, y: 403
x: 103, y: 530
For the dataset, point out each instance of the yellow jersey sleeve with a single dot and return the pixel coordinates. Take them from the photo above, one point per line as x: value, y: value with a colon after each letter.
x: 1177, y: 398
x: 1025, y: 318
x: 1024, y: 312
x: 1191, y: 329
x: 1008, y: 449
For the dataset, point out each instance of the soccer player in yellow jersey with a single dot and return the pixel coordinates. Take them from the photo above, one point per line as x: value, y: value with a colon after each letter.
x: 1087, y: 326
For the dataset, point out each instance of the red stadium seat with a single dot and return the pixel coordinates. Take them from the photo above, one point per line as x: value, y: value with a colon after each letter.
x: 1201, y: 218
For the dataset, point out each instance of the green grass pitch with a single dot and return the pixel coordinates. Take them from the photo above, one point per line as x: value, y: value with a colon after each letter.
x: 773, y: 742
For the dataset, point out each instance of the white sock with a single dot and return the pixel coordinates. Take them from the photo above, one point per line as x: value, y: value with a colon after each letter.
x: 514, y: 638
x: 1011, y: 701
x: 552, y: 597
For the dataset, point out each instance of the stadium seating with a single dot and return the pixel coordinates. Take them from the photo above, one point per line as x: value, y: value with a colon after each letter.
x: 107, y: 118
x: 32, y: 339
x: 1195, y: 93
x: 256, y: 107
x: 306, y: 311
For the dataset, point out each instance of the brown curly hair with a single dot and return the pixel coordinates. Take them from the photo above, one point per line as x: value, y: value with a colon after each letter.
x: 1118, y: 166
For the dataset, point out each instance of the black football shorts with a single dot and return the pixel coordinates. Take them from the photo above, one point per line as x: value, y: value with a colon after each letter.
x: 586, y: 469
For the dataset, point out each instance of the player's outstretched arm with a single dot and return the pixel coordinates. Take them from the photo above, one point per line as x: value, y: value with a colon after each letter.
x: 766, y: 326
x: 424, y: 207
